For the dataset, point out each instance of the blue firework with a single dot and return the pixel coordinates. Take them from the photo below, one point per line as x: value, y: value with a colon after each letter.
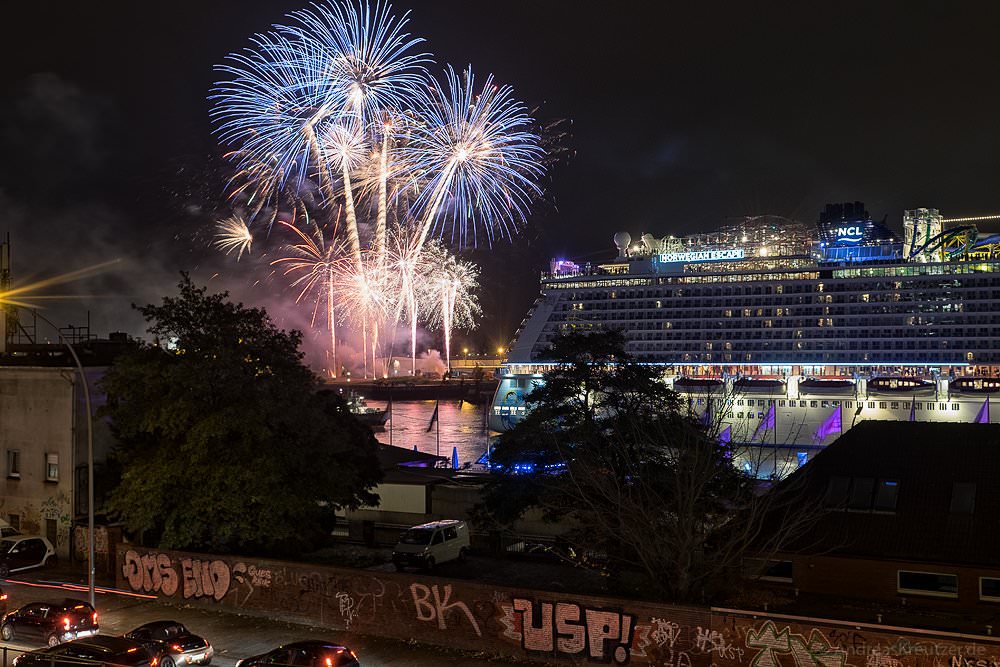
x: 474, y: 160
x: 371, y: 58
x: 273, y: 109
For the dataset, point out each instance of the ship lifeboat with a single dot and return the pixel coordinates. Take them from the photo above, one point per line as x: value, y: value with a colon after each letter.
x: 898, y: 385
x: 759, y: 386
x: 697, y: 384
x: 974, y: 385
x: 821, y: 386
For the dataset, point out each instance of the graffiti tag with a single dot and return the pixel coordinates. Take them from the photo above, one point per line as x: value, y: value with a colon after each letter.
x: 156, y: 573
x: 567, y: 628
x: 814, y: 652
x: 432, y: 606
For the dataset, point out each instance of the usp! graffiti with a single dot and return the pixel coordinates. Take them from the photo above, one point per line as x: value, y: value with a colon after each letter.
x: 567, y: 628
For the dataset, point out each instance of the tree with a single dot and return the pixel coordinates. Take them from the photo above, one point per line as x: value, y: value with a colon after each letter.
x: 638, y: 480
x: 224, y: 441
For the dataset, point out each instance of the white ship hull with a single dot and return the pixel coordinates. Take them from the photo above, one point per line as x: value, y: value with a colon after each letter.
x: 805, y: 420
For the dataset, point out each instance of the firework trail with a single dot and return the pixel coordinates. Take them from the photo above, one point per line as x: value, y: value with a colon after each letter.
x: 315, y: 264
x: 448, y: 289
x: 233, y: 235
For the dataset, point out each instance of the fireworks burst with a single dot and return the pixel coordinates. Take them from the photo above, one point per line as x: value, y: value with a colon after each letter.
x: 367, y: 57
x: 336, y: 110
x: 477, y: 158
x: 233, y: 235
x: 447, y: 291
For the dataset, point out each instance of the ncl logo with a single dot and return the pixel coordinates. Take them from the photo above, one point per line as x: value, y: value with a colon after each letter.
x: 850, y: 234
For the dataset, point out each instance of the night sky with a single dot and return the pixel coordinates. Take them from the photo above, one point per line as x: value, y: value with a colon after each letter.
x: 683, y: 114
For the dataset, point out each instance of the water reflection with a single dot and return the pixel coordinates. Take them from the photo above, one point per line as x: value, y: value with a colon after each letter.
x: 462, y: 426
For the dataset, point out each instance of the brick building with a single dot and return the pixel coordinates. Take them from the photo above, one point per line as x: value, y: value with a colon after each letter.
x: 910, y: 514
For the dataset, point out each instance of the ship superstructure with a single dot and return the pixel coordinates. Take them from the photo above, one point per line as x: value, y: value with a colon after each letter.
x: 793, y: 332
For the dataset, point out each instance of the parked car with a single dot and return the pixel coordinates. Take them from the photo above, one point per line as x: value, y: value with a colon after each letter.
x: 23, y: 552
x: 101, y: 649
x: 305, y: 654
x: 172, y: 643
x: 428, y: 544
x: 50, y: 622
x: 7, y: 530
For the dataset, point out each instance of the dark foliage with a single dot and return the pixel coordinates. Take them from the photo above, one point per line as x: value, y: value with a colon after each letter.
x: 639, y: 484
x: 224, y: 441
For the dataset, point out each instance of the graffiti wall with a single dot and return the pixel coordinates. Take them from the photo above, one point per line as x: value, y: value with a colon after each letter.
x: 545, y: 627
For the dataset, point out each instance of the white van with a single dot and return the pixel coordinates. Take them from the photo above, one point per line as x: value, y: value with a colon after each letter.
x: 431, y: 543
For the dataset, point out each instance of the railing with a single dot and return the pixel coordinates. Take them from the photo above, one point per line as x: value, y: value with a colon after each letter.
x: 9, y: 653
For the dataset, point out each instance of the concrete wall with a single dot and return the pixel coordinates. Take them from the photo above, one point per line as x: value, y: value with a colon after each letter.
x: 534, y: 625
x: 411, y: 498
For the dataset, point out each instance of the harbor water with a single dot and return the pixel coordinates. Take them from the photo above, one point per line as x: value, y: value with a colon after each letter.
x: 460, y: 425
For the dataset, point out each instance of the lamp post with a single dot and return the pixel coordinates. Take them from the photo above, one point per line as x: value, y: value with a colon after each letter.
x: 90, y: 456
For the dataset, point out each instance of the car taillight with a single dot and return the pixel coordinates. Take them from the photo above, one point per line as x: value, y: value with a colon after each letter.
x: 154, y: 662
x: 176, y: 647
x: 95, y: 617
x: 3, y: 596
x: 329, y: 662
x: 66, y: 622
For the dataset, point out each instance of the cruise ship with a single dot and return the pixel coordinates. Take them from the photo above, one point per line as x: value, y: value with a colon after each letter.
x: 789, y: 334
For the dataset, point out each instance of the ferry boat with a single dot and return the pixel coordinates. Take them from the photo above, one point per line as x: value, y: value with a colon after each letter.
x: 367, y: 415
x: 796, y: 332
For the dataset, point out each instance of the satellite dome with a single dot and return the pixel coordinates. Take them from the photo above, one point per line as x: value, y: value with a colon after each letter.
x: 622, y: 241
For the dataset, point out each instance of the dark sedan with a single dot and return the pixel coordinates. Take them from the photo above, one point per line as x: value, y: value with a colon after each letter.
x: 52, y: 623
x: 116, y: 651
x: 173, y: 643
x: 304, y: 654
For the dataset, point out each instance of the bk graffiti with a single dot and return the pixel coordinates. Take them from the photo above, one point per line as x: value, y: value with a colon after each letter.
x: 569, y: 629
x: 434, y: 603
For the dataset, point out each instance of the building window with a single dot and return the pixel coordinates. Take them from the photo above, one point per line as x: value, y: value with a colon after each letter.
x: 51, y: 467
x: 885, y: 495
x: 768, y: 570
x: 861, y: 493
x: 989, y: 589
x: 14, y: 463
x: 837, y: 491
x: 963, y: 497
x: 15, y: 521
x: 927, y: 583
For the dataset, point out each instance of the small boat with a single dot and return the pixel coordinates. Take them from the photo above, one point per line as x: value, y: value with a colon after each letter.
x: 374, y: 417
x: 974, y: 385
x: 900, y: 385
x: 759, y: 386
x: 837, y: 387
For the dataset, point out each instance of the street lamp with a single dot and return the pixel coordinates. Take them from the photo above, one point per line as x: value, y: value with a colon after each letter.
x: 90, y: 456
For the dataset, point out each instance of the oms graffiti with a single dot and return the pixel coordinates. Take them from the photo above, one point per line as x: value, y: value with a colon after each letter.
x: 156, y: 573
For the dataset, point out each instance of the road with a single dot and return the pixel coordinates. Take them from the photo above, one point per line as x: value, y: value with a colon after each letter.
x: 233, y: 636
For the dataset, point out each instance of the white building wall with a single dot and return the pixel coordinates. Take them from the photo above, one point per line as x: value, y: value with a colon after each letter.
x: 36, y: 422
